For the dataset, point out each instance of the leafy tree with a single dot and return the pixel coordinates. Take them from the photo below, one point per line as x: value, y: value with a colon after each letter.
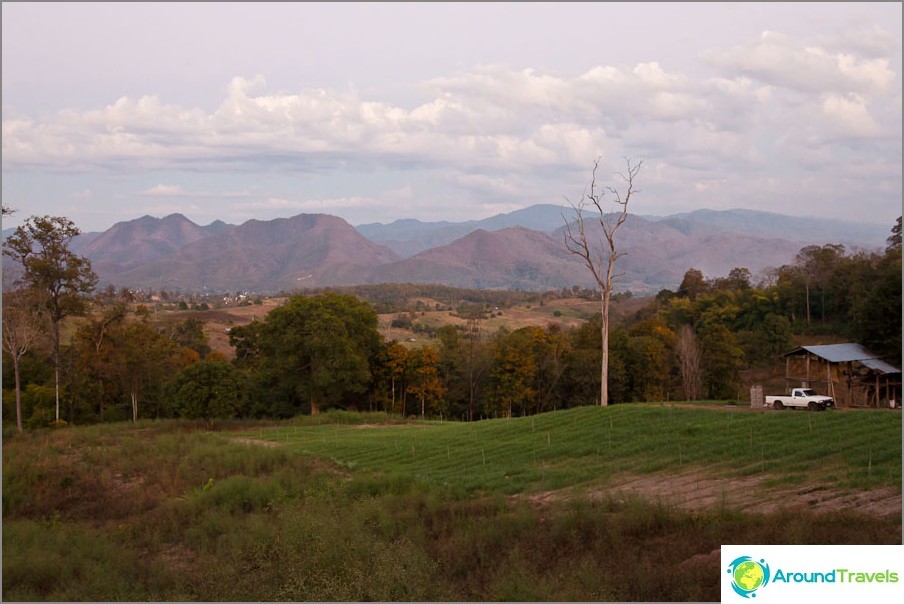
x: 190, y: 334
x: 425, y: 384
x: 816, y: 265
x: 600, y: 258
x: 880, y: 320
x: 721, y: 360
x: 651, y: 346
x: 209, y: 390
x: 693, y: 284
x: 894, y: 240
x: 57, y: 275
x: 92, y: 349
x: 514, y: 373
x: 316, y: 350
x: 143, y: 362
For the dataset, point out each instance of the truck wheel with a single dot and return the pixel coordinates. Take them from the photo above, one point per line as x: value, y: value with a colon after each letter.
x: 778, y: 406
x: 813, y: 406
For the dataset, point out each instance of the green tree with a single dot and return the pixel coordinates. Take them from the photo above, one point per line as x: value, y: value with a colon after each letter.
x: 93, y: 352
x: 313, y: 349
x: 721, y: 358
x: 139, y: 364
x: 209, y: 390
x: 651, y: 345
x: 425, y: 383
x: 693, y: 284
x: 61, y: 278
x: 894, y: 240
x: 879, y: 327
x: 190, y: 334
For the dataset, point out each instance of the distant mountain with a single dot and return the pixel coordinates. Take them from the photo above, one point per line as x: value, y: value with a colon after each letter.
x: 656, y: 254
x: 127, y: 245
x: 754, y: 223
x: 511, y: 258
x: 523, y: 249
x: 286, y: 253
x: 408, y: 237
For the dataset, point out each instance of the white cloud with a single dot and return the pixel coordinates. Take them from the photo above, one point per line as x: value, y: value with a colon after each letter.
x: 850, y: 116
x: 493, y: 133
x: 779, y: 60
x: 161, y: 190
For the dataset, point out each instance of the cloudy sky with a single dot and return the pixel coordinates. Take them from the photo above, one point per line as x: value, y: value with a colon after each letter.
x: 374, y: 112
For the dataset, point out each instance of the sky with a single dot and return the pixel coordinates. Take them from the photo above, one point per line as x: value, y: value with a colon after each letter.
x: 447, y: 111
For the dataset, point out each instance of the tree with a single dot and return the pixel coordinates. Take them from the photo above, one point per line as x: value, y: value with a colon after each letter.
x: 91, y: 338
x: 600, y: 258
x: 144, y: 361
x: 313, y: 349
x: 395, y: 359
x: 692, y: 285
x: 894, y: 240
x: 689, y: 363
x: 22, y: 325
x: 816, y: 265
x: 208, y: 390
x: 60, y: 277
x: 425, y: 383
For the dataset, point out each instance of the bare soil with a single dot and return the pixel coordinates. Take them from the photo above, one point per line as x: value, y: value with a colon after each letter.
x: 693, y: 490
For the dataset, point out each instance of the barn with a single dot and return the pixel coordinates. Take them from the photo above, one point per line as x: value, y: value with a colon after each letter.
x: 849, y: 373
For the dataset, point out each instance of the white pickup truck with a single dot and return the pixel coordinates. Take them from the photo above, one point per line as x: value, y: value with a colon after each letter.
x: 802, y: 398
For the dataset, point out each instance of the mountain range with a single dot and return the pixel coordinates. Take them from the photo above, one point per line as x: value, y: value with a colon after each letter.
x: 524, y: 249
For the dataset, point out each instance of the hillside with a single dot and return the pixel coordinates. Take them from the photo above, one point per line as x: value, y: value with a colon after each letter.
x: 512, y: 258
x: 518, y: 250
x: 127, y: 245
x: 286, y: 253
x: 409, y: 237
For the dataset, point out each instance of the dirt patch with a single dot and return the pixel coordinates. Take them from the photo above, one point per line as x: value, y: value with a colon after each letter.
x: 696, y: 491
x: 255, y: 441
x: 368, y: 426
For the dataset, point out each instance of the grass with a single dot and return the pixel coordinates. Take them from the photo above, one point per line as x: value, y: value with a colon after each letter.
x: 855, y: 449
x: 170, y: 511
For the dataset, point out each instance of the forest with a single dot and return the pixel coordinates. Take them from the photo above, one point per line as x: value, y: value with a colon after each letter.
x: 75, y: 354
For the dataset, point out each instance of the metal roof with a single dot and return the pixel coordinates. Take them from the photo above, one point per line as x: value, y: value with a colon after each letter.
x: 842, y: 353
x: 880, y: 366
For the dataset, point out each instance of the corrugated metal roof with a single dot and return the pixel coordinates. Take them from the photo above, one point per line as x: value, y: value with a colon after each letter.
x: 842, y: 353
x: 838, y: 353
x: 880, y: 366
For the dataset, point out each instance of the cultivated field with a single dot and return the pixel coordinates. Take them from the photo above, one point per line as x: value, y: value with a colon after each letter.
x: 584, y: 504
x: 567, y: 312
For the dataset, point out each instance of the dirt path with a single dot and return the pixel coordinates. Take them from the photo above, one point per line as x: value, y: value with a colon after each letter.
x: 696, y: 491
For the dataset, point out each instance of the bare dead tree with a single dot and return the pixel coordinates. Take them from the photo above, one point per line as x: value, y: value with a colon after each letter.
x: 23, y: 324
x: 690, y: 363
x: 599, y: 256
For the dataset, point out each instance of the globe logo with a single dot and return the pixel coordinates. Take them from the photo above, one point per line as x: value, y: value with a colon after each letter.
x: 748, y: 575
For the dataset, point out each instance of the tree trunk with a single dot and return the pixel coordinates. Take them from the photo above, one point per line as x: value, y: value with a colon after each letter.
x: 56, y: 366
x: 604, y: 338
x: 134, y: 395
x: 18, y: 392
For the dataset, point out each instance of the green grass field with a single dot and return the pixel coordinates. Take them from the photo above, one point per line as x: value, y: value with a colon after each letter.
x: 852, y: 449
x: 369, y: 507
